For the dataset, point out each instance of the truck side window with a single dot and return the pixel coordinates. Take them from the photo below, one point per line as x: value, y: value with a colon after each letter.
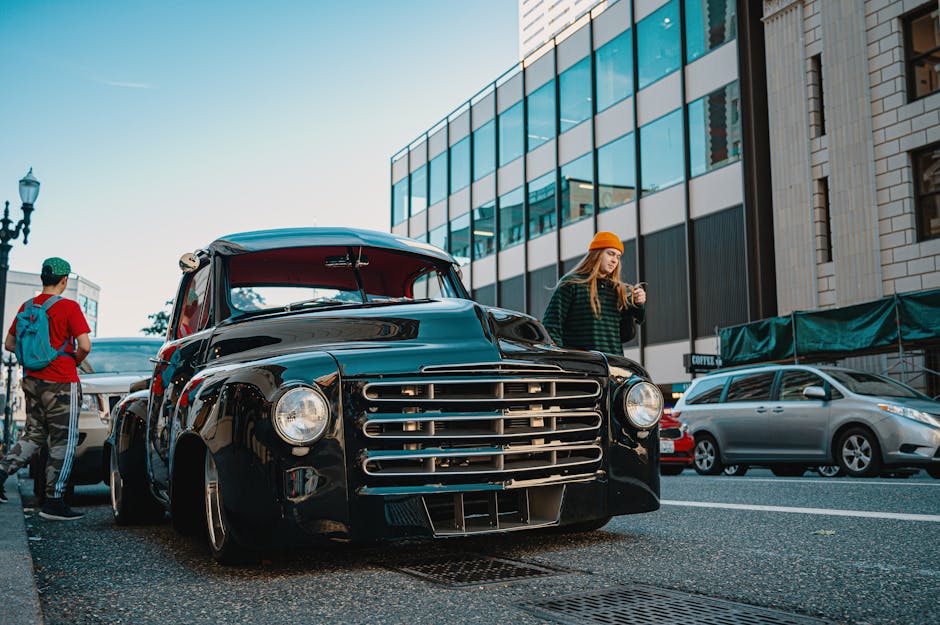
x: 194, y: 312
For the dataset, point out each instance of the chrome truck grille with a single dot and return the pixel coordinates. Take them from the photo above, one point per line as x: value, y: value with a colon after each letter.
x: 470, y: 427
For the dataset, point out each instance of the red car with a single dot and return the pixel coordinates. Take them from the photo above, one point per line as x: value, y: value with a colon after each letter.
x: 675, y: 445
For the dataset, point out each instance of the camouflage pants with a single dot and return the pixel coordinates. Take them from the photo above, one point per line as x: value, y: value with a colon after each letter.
x: 51, y: 420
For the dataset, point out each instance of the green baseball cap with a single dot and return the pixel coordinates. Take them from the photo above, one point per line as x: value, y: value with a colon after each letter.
x: 56, y: 266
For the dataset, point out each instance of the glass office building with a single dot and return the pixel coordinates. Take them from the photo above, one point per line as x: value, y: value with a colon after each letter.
x: 640, y: 119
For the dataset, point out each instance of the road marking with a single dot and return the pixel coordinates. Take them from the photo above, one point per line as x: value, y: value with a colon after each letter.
x: 897, y: 516
x: 826, y: 480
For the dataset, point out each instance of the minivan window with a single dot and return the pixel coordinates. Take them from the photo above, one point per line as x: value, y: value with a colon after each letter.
x: 875, y: 385
x: 707, y: 391
x: 751, y: 387
x: 793, y: 382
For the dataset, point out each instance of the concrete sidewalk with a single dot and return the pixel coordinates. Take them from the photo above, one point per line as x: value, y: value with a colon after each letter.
x: 17, y: 580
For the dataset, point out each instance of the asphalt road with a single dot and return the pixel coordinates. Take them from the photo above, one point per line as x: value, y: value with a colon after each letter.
x: 843, y: 550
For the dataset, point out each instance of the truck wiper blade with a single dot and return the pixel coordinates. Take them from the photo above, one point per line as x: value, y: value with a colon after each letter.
x: 318, y: 301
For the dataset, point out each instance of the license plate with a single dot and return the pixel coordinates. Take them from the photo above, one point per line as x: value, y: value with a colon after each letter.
x: 667, y: 447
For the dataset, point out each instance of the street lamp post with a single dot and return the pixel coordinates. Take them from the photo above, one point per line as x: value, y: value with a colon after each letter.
x: 29, y: 190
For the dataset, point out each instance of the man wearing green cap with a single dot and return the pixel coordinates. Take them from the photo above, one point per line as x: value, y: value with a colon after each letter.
x: 53, y: 393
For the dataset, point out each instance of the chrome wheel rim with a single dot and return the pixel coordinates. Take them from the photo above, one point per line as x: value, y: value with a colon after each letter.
x: 704, y: 455
x: 828, y: 470
x: 731, y: 469
x: 214, y: 504
x: 116, y: 483
x: 856, y: 452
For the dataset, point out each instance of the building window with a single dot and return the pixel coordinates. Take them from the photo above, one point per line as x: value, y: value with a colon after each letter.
x: 817, y: 104
x: 823, y: 222
x: 574, y: 94
x: 922, y: 38
x: 460, y: 165
x: 438, y: 178
x: 613, y: 64
x: 541, y: 284
x: 484, y: 230
x: 927, y: 200
x: 438, y: 237
x: 660, y: 145
x: 512, y: 293
x: 541, y: 115
x: 511, y: 219
x: 460, y: 239
x: 720, y: 270
x: 542, y: 205
x: 658, y: 44
x: 616, y: 173
x: 484, y: 149
x: 714, y: 130
x: 511, y: 142
x: 708, y: 25
x: 400, y: 201
x: 419, y: 190
x: 664, y: 261
x: 577, y: 189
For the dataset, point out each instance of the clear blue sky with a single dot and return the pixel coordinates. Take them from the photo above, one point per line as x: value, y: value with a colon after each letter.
x: 158, y: 126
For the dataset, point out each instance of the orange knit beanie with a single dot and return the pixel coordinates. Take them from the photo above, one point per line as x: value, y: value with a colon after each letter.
x: 603, y: 240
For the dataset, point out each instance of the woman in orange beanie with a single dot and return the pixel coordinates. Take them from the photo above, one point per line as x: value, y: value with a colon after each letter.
x: 591, y: 308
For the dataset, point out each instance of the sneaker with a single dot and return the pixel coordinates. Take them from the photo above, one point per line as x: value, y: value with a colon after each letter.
x: 3, y: 479
x: 56, y: 509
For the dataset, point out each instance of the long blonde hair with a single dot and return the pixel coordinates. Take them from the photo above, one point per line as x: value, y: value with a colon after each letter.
x: 588, y: 272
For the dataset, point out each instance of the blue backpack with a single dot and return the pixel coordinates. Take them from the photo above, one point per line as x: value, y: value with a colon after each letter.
x: 34, y: 350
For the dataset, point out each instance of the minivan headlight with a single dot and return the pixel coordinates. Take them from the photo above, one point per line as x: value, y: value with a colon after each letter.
x: 301, y: 415
x: 910, y: 413
x: 643, y: 404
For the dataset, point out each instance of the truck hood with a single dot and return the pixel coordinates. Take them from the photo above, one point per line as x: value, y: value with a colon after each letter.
x: 402, y: 338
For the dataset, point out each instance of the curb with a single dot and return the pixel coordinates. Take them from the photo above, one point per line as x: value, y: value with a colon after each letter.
x: 17, y: 578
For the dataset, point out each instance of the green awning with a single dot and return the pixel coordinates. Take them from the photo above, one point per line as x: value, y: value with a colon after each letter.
x: 908, y: 318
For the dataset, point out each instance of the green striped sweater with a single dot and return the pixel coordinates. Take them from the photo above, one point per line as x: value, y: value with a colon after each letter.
x: 572, y: 324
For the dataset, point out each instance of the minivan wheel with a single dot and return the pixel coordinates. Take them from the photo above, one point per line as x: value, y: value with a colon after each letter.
x: 736, y: 470
x: 830, y: 470
x: 859, y: 453
x: 707, y: 458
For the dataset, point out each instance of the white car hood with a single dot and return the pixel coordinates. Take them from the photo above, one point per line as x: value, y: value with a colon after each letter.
x: 109, y: 382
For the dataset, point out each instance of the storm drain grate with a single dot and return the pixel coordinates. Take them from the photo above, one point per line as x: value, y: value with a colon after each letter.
x: 646, y: 605
x: 472, y: 570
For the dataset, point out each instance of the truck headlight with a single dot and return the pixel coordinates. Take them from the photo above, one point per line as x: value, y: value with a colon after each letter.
x: 301, y: 415
x: 643, y: 404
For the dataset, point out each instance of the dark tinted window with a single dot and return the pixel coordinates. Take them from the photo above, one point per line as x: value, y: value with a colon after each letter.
x: 667, y: 301
x: 708, y: 391
x: 751, y: 387
x: 792, y: 384
x: 720, y: 270
x: 512, y: 294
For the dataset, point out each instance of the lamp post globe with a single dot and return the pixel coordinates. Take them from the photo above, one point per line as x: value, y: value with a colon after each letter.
x: 29, y: 188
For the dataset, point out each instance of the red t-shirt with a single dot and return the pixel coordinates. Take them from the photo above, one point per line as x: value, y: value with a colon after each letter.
x: 66, y: 321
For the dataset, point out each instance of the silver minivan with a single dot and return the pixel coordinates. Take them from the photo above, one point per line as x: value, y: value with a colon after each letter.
x: 791, y: 417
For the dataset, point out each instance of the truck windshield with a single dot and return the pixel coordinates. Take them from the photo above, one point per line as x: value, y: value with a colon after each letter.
x: 334, y: 275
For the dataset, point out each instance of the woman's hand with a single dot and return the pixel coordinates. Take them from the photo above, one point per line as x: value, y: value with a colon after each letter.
x: 639, y: 296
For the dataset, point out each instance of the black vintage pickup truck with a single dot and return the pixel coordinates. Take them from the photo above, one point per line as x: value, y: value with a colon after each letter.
x: 340, y: 384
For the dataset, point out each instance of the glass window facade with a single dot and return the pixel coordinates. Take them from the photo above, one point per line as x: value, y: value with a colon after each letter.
x: 484, y: 230
x: 613, y: 64
x: 419, y: 189
x: 460, y: 240
x: 708, y: 25
x: 484, y: 149
x: 511, y: 219
x: 616, y: 173
x: 400, y: 201
x: 574, y: 94
x: 540, y: 116
x: 438, y: 189
x: 922, y: 34
x: 542, y: 205
x: 460, y: 165
x: 927, y: 191
x: 714, y: 130
x: 577, y: 189
x: 511, y: 144
x: 438, y: 237
x: 658, y: 44
x: 661, y: 165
